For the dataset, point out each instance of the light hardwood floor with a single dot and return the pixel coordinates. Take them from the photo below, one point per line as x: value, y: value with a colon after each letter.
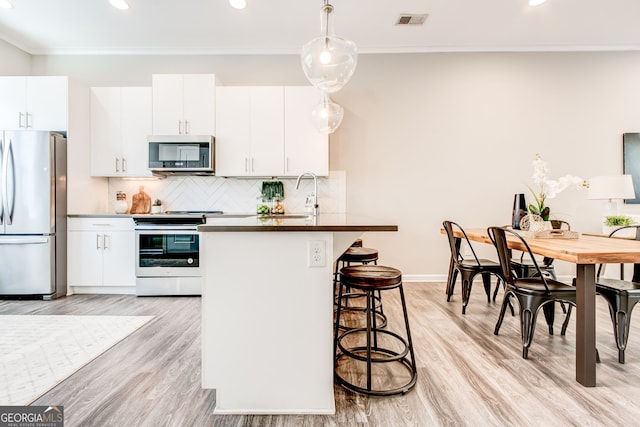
x: 467, y: 376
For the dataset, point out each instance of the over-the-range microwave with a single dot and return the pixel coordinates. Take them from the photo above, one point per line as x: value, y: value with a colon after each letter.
x: 182, y: 154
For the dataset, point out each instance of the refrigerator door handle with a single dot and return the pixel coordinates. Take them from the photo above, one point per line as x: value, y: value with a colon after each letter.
x: 30, y: 240
x: 3, y: 180
x: 6, y: 157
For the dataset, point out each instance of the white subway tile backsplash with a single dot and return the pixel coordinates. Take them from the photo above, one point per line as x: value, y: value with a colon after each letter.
x: 231, y: 195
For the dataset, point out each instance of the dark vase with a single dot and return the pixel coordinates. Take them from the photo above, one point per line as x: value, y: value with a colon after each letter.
x: 519, y: 210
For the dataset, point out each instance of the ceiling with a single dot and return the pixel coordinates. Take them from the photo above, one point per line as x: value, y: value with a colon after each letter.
x: 283, y: 26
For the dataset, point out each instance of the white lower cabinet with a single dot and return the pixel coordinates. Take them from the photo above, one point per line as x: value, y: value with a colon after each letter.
x: 101, y: 255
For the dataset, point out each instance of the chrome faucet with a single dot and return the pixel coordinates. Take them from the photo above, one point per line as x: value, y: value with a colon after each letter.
x: 315, y: 190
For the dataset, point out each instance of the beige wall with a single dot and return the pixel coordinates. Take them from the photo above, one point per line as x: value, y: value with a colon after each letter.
x: 426, y: 137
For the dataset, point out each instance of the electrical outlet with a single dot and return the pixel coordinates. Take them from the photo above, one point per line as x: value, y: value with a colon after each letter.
x: 316, y: 254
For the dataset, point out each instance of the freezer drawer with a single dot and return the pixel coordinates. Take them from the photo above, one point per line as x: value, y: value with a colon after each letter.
x: 28, y: 265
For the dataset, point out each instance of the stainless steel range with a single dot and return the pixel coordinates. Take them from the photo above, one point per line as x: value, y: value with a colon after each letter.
x: 168, y: 253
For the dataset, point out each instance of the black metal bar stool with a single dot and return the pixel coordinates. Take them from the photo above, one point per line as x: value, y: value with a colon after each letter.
x: 357, y: 254
x: 381, y: 347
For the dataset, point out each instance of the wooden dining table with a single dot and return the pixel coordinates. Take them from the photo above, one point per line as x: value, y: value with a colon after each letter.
x: 585, y: 252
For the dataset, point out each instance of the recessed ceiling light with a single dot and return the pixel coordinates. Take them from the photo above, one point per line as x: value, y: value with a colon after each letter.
x: 119, y: 4
x: 238, y: 4
x: 536, y: 2
x: 4, y: 4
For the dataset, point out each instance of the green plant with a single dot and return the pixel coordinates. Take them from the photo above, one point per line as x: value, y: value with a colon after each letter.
x: 618, y: 221
x: 272, y: 189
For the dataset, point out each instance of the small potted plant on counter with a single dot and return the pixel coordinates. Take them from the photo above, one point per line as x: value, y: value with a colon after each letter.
x: 156, y: 207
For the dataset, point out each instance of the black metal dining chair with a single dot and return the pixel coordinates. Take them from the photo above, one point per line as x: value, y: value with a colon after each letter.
x: 524, y: 267
x: 468, y: 268
x: 622, y: 296
x: 532, y: 293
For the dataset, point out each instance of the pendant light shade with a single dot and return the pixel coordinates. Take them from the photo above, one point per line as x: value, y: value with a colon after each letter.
x: 329, y: 61
x: 327, y: 115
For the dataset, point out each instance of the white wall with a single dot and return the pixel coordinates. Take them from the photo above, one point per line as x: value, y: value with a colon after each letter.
x: 14, y: 62
x: 426, y: 137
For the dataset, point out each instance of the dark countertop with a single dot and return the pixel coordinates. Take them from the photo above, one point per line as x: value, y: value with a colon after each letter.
x: 231, y: 215
x: 323, y: 222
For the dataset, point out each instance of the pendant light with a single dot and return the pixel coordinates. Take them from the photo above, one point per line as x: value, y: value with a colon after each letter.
x: 327, y: 115
x: 329, y: 61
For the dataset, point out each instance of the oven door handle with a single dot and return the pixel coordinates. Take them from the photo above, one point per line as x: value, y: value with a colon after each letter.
x: 164, y: 229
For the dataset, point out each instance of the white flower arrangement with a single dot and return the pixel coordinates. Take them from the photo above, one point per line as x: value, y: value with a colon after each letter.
x: 549, y: 188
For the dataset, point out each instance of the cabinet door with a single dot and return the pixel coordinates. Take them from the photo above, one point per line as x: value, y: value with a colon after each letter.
x: 267, y: 131
x: 233, y: 136
x: 136, y: 127
x: 46, y: 103
x: 12, y: 107
x: 167, y: 104
x: 106, y: 134
x: 119, y: 259
x: 84, y: 258
x: 199, y: 104
x: 305, y: 148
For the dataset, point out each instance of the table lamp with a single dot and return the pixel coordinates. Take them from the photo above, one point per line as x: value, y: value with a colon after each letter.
x: 611, y: 188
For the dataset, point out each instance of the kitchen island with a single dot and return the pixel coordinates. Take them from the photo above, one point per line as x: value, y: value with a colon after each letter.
x: 267, y: 310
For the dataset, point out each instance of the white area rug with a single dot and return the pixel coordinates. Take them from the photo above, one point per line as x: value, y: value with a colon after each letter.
x: 38, y: 352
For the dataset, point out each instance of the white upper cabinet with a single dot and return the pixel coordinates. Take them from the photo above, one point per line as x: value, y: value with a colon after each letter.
x: 250, y: 136
x: 184, y: 104
x: 305, y: 148
x: 267, y: 131
x: 34, y: 103
x: 120, y: 125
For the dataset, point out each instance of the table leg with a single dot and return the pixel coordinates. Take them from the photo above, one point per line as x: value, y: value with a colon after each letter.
x: 586, y: 325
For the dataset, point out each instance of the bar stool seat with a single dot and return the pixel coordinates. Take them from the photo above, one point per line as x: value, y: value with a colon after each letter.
x: 361, y: 255
x: 381, y: 346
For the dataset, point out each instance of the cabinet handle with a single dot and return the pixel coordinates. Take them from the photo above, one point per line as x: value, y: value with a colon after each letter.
x: 98, y: 241
x: 180, y: 126
x: 117, y: 164
x: 20, y: 119
x: 252, y: 164
x: 106, y: 238
x: 124, y: 164
x: 186, y: 126
x: 27, y: 116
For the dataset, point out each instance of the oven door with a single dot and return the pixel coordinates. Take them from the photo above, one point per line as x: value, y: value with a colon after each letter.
x: 167, y: 253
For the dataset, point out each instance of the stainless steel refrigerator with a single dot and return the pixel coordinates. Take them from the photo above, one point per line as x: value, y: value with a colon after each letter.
x: 33, y: 214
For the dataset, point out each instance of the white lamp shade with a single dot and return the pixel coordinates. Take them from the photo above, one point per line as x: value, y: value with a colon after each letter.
x: 611, y: 187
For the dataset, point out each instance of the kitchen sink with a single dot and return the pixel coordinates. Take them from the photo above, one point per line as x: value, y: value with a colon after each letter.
x: 282, y: 216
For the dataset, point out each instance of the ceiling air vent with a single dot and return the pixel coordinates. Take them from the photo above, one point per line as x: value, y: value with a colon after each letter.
x: 412, y: 19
